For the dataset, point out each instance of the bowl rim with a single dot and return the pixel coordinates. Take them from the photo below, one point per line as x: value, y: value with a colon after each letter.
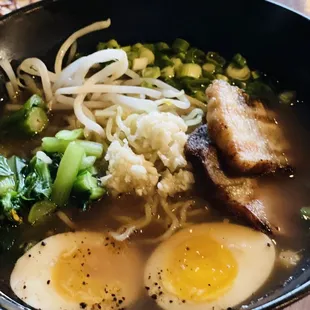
x: 278, y: 303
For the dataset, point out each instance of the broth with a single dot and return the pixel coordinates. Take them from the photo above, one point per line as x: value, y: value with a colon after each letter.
x: 288, y: 193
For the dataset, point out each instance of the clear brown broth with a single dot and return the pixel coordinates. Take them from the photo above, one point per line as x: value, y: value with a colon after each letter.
x: 289, y: 195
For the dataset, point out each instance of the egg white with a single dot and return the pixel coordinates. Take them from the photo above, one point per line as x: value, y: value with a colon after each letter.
x: 33, y: 282
x: 253, y: 252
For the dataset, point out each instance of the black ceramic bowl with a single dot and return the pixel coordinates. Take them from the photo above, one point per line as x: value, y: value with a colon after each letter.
x: 272, y: 38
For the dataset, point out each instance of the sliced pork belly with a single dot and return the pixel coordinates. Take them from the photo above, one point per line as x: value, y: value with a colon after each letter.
x: 237, y: 193
x: 244, y: 132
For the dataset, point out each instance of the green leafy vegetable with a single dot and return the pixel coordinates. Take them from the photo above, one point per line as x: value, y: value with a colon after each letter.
x: 38, y: 182
x: 67, y: 172
x: 5, y: 169
x: 40, y: 210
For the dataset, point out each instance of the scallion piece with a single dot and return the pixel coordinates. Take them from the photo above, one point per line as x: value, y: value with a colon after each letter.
x: 200, y: 95
x: 151, y: 72
x: 177, y: 63
x: 149, y: 46
x: 255, y: 75
x: 216, y: 59
x: 167, y: 72
x: 222, y: 77
x: 112, y: 44
x: 101, y: 46
x: 162, y: 60
x: 239, y: 60
x: 209, y: 67
x: 287, y: 97
x: 137, y: 47
x: 126, y: 48
x: 180, y: 45
x: 162, y: 46
x: 139, y: 63
x: 67, y: 172
x: 147, y: 53
x: 190, y: 70
x: 194, y: 55
x: 241, y: 74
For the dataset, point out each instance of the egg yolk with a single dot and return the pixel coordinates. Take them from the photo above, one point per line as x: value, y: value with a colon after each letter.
x: 87, y: 275
x: 199, y: 269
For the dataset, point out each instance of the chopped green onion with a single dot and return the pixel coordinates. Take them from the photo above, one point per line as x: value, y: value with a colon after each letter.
x: 35, y: 121
x: 137, y: 47
x: 147, y: 53
x: 180, y: 45
x: 101, y: 46
x: 149, y: 46
x: 167, y: 72
x: 190, y: 70
x: 177, y: 63
x: 241, y: 74
x: 181, y: 55
x: 112, y: 44
x: 287, y: 97
x: 151, y: 72
x: 174, y: 83
x: 162, y: 60
x: 239, y: 61
x: 70, y: 135
x: 139, y: 63
x: 208, y: 75
x: 162, y: 46
x: 262, y: 91
x: 30, y: 119
x: 255, y: 75
x: 209, y: 67
x: 40, y: 210
x: 200, y: 95
x: 216, y: 59
x: 196, y: 83
x: 67, y: 172
x: 222, y: 77
x: 240, y: 84
x: 195, y: 55
x: 126, y: 48
x: 146, y: 84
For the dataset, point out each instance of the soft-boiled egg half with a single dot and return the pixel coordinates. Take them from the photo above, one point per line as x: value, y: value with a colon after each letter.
x: 78, y: 270
x: 209, y: 266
